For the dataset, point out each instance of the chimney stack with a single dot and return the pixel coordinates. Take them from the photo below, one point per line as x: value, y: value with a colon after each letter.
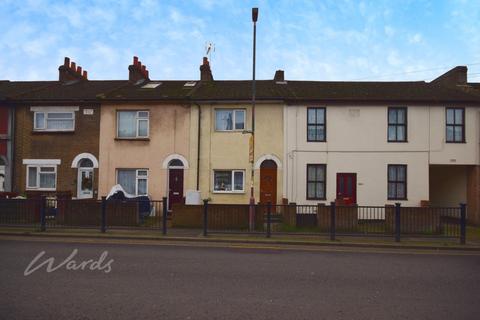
x: 137, y: 71
x: 69, y: 71
x: 205, y: 71
x: 279, y: 76
x: 454, y: 77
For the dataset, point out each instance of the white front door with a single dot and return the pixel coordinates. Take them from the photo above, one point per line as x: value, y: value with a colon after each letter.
x: 85, y: 183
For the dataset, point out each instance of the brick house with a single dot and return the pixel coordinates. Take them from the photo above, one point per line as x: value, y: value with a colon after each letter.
x: 57, y: 125
x: 7, y: 127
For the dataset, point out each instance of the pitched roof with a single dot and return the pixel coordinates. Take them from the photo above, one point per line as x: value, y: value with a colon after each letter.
x: 158, y: 90
x: 58, y: 91
x: 227, y: 90
x: 418, y: 91
x: 241, y: 90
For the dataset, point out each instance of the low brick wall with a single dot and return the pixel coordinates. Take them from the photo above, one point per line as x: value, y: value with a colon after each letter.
x: 19, y: 211
x: 220, y: 216
x: 187, y: 216
x: 88, y: 213
x: 414, y: 220
x: 289, y: 214
x: 346, y: 218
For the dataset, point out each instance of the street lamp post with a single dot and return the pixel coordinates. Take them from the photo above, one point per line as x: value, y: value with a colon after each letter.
x: 252, y: 137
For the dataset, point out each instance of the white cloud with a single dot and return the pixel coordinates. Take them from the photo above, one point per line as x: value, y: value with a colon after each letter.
x: 415, y: 38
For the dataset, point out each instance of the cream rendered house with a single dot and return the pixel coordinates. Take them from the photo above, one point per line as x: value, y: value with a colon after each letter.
x: 381, y: 143
x: 145, y: 136
x: 225, y: 131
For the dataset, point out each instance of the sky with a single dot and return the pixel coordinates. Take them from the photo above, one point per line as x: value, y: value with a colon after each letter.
x: 324, y: 40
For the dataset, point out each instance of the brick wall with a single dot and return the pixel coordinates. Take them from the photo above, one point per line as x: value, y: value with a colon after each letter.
x: 56, y: 145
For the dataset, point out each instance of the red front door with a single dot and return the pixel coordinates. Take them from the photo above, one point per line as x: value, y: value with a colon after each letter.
x: 175, y: 187
x: 347, y: 187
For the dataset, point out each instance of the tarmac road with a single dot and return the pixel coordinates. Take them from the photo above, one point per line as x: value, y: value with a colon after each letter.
x: 153, y: 281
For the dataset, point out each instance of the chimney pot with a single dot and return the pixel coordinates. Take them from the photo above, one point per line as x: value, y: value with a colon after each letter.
x: 137, y: 71
x: 205, y: 71
x: 85, y: 74
x: 79, y: 70
x: 67, y: 62
x: 279, y: 76
x: 73, y: 66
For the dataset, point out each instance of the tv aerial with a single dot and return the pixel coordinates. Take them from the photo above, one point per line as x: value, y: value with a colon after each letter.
x: 209, y: 48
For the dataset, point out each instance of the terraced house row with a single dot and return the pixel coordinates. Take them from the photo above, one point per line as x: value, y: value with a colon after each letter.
x: 366, y: 143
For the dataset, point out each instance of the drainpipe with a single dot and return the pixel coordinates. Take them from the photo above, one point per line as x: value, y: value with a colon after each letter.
x: 198, y: 144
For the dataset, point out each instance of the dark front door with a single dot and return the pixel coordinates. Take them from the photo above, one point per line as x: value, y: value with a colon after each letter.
x: 347, y: 187
x: 175, y: 187
x: 268, y: 182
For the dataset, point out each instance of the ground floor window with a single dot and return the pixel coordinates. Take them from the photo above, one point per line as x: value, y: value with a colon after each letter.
x: 397, y: 182
x: 316, y: 181
x: 41, y: 177
x: 133, y: 181
x: 228, y: 180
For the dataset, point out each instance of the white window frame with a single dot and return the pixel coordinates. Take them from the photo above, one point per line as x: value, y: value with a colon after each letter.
x: 45, y: 121
x: 137, y: 122
x: 233, y: 181
x: 234, y: 111
x: 137, y: 178
x: 37, y: 186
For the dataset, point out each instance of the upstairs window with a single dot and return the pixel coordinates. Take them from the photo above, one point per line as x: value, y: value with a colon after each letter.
x: 397, y: 182
x: 229, y: 119
x: 132, y: 124
x: 316, y: 125
x: 54, y: 121
x: 397, y: 124
x: 455, y: 125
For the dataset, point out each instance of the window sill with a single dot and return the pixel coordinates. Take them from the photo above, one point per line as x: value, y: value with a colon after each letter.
x: 320, y: 199
x: 39, y: 189
x: 53, y: 131
x: 132, y: 139
x: 456, y: 142
x: 397, y: 199
x: 228, y: 192
x: 397, y: 141
x: 316, y: 140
